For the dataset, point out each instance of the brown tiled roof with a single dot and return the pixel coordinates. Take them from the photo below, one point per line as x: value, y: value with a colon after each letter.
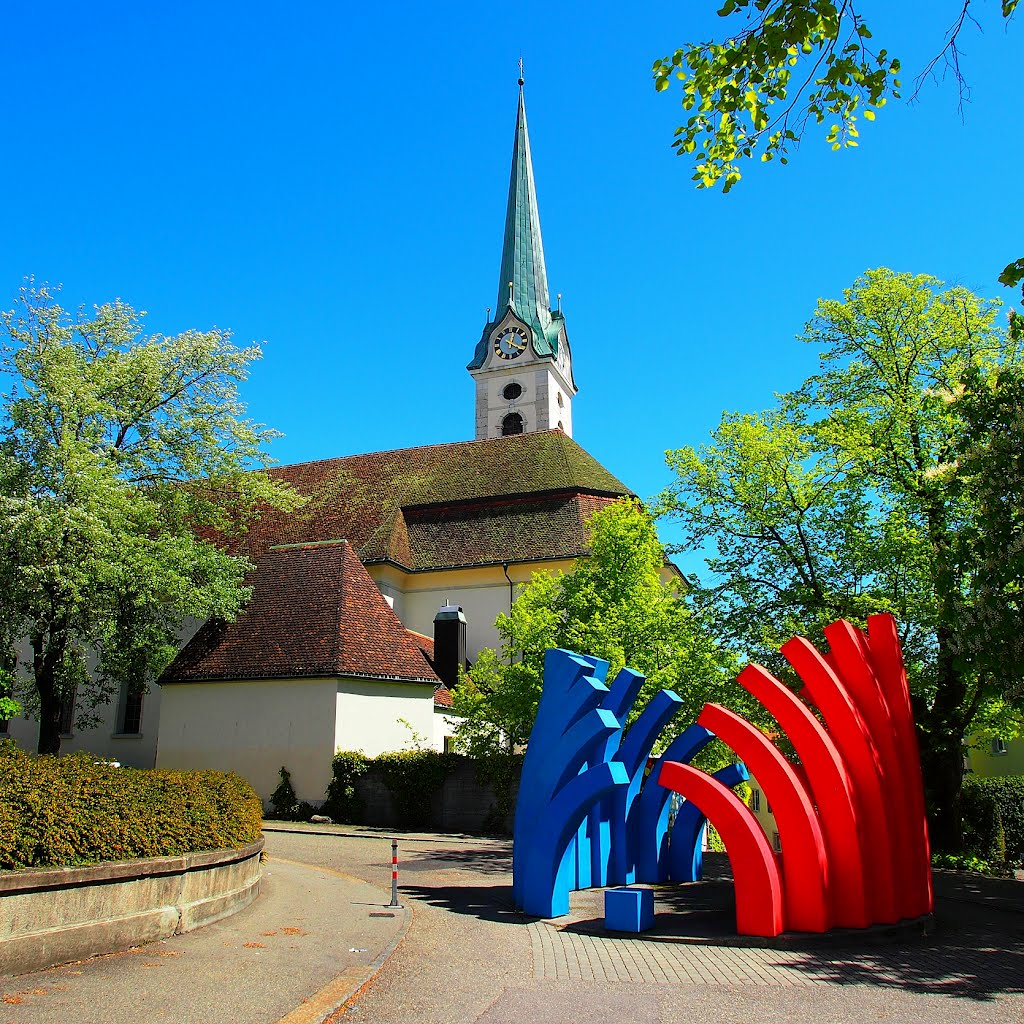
x: 314, y: 612
x: 517, y: 498
x: 442, y: 697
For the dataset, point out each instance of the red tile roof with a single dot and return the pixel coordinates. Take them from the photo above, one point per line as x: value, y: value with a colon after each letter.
x: 442, y: 697
x: 314, y: 612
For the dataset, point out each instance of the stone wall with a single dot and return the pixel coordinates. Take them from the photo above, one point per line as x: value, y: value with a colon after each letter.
x: 462, y: 804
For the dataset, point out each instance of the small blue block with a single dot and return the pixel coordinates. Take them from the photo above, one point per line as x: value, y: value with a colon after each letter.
x: 628, y: 909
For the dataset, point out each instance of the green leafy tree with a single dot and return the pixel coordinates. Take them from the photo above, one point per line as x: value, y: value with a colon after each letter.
x: 873, y: 488
x: 613, y: 604
x: 121, y: 455
x: 785, y: 65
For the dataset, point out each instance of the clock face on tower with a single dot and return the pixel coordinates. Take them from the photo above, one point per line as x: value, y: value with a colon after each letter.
x: 511, y: 342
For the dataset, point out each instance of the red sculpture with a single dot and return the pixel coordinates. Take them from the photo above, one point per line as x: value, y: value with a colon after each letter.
x: 850, y: 815
x: 754, y: 868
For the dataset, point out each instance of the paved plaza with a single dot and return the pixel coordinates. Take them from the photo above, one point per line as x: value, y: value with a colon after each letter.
x: 321, y: 945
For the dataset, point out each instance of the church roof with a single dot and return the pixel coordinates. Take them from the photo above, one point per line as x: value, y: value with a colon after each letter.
x: 522, y: 255
x: 314, y: 612
x: 520, y: 498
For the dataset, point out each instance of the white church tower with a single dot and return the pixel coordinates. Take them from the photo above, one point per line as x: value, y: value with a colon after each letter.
x: 522, y: 365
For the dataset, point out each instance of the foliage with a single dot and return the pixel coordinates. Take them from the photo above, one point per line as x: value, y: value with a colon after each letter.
x: 613, y: 605
x: 501, y: 771
x: 284, y: 802
x: 79, y: 809
x: 873, y: 489
x: 121, y: 455
x: 966, y: 862
x: 994, y: 818
x: 342, y: 802
x: 413, y: 777
x: 782, y: 65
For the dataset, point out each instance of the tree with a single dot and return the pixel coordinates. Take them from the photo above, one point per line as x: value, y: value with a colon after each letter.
x: 783, y: 65
x: 871, y: 489
x: 121, y: 457
x: 612, y: 604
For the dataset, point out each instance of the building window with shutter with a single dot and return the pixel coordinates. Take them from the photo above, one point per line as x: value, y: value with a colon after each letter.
x: 755, y: 800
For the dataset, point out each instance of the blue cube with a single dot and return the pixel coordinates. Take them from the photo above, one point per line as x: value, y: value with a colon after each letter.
x: 628, y: 909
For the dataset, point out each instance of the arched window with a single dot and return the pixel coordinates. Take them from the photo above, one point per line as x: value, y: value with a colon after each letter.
x: 561, y: 427
x: 512, y: 424
x: 560, y: 402
x: 512, y: 391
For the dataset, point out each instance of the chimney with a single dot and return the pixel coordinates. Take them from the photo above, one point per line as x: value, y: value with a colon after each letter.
x: 449, y: 643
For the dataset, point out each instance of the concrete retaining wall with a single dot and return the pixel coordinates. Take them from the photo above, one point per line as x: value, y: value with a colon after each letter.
x: 462, y: 804
x: 53, y: 915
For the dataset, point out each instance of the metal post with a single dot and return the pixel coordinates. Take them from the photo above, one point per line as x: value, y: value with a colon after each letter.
x: 394, y: 874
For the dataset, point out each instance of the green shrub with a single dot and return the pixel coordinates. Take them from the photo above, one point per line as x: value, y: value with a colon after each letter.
x: 341, y: 802
x: 413, y: 777
x: 79, y: 810
x: 283, y: 801
x: 993, y: 812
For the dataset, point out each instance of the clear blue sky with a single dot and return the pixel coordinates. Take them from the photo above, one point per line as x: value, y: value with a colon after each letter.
x: 331, y: 178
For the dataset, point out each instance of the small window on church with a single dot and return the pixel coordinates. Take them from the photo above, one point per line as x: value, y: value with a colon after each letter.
x: 560, y: 402
x: 131, y: 710
x: 560, y: 427
x: 512, y: 391
x: 512, y: 424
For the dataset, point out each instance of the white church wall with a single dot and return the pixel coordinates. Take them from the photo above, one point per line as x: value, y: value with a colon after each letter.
x: 253, y: 728
x: 369, y: 715
x: 136, y: 750
x: 107, y: 739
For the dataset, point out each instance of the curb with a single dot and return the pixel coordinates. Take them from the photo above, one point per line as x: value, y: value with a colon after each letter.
x: 344, y: 989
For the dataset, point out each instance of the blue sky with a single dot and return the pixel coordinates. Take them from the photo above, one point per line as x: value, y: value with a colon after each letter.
x: 331, y: 179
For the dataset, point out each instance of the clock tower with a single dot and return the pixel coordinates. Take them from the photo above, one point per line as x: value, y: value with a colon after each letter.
x: 522, y: 366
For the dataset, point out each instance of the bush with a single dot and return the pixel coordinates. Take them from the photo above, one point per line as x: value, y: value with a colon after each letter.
x: 412, y: 778
x: 993, y: 812
x: 283, y: 801
x: 79, y: 810
x: 341, y: 802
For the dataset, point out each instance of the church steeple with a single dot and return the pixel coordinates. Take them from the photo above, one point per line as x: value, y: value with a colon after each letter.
x: 523, y: 273
x: 522, y: 365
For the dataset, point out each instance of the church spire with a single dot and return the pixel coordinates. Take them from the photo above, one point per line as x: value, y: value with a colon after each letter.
x: 522, y: 254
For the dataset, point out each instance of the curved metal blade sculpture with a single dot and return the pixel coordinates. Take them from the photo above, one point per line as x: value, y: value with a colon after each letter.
x: 850, y: 815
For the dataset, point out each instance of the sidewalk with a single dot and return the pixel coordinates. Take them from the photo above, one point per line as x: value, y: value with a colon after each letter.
x: 310, y: 941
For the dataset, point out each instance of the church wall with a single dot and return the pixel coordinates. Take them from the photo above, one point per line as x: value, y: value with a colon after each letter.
x: 253, y: 728
x: 135, y: 750
x: 368, y: 713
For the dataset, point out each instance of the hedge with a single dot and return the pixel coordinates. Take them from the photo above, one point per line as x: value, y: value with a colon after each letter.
x: 79, y: 809
x: 993, y: 814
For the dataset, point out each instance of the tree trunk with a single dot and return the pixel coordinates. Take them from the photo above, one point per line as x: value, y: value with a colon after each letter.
x: 942, y: 765
x: 44, y: 664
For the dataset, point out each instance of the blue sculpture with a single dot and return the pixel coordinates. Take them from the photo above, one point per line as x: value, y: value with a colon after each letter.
x: 586, y: 814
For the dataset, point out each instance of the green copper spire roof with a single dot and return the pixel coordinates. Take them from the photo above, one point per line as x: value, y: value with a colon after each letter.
x: 522, y: 255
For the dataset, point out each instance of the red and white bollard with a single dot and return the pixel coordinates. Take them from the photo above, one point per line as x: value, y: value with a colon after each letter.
x: 394, y: 874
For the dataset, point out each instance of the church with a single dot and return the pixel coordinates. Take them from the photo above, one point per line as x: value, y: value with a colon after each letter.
x: 368, y: 599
